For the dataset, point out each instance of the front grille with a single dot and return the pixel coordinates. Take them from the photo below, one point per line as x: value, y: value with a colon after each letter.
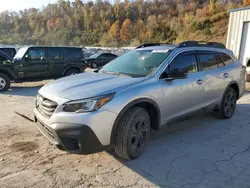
x: 45, y: 106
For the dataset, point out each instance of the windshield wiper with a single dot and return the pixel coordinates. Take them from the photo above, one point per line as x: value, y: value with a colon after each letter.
x: 115, y: 73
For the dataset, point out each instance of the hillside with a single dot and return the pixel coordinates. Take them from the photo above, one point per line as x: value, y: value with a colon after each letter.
x: 122, y: 24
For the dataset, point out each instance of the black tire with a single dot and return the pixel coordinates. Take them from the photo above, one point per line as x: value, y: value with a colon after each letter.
x: 72, y: 72
x: 94, y: 65
x: 247, y: 77
x: 133, y: 133
x: 4, y: 82
x: 228, y: 104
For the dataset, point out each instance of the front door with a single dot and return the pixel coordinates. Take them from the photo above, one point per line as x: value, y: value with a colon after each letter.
x: 183, y: 95
x: 34, y: 64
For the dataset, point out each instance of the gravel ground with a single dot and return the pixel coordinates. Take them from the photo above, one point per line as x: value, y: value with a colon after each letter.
x: 201, y: 151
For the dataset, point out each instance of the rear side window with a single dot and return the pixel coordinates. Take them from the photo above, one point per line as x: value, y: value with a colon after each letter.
x: 56, y: 54
x: 227, y: 60
x: 111, y: 55
x: 104, y: 56
x: 9, y: 51
x: 74, y: 53
x: 209, y: 61
x: 183, y: 63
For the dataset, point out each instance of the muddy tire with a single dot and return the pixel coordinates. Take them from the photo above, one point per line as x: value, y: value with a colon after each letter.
x: 4, y: 82
x: 133, y: 133
x: 228, y: 104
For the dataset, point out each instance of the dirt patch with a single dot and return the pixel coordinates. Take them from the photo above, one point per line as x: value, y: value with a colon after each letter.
x: 23, y: 146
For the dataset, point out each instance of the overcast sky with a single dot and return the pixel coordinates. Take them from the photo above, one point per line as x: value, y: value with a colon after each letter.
x: 16, y: 5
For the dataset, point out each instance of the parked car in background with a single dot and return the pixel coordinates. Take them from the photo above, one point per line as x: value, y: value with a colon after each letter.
x: 141, y: 90
x: 4, y: 57
x: 38, y: 63
x: 100, y: 59
x: 11, y: 52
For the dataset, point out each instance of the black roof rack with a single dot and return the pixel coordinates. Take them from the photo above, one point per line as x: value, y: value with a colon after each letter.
x: 201, y: 44
x: 150, y: 44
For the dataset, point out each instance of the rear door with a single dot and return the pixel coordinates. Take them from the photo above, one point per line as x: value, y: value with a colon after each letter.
x: 57, y: 62
x: 185, y: 94
x: 35, y: 65
x: 214, y: 71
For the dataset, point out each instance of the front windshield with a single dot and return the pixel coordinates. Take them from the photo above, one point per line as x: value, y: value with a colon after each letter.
x: 20, y: 53
x: 137, y: 63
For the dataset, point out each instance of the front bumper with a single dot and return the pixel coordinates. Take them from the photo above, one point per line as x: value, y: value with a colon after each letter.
x: 72, y: 137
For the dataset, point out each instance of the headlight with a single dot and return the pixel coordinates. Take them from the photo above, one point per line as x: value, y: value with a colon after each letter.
x: 87, y: 105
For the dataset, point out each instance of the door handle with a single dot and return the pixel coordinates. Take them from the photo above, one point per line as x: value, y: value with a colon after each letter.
x: 226, y: 75
x: 200, y: 81
x: 21, y: 65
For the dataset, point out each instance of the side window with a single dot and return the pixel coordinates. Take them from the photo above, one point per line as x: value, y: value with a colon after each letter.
x: 226, y: 58
x: 209, y: 61
x: 36, y: 54
x: 74, y: 54
x: 104, y: 56
x: 182, y: 64
x: 112, y: 56
x: 56, y: 54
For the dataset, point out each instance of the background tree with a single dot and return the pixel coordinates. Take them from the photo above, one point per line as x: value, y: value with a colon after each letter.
x: 120, y: 23
x: 126, y: 31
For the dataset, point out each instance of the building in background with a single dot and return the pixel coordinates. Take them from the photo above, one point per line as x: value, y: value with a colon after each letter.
x: 238, y: 38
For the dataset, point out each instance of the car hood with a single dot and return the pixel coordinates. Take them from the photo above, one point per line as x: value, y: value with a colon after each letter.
x: 87, y: 85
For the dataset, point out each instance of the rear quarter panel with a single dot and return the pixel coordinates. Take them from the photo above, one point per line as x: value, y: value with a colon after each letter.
x: 236, y: 75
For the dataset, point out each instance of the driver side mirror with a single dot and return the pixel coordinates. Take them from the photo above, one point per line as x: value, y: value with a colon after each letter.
x: 173, y: 74
x: 27, y: 57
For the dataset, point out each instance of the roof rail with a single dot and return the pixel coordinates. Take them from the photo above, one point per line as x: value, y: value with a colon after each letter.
x: 201, y: 44
x: 150, y: 44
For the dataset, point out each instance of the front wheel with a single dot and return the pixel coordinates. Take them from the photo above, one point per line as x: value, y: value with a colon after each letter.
x: 228, y: 104
x: 4, y: 82
x: 133, y: 133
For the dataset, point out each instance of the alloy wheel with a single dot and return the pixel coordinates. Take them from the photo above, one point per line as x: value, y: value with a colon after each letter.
x: 139, y: 135
x: 229, y: 103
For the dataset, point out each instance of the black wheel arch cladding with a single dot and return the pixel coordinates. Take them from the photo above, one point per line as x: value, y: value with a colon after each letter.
x: 149, y: 105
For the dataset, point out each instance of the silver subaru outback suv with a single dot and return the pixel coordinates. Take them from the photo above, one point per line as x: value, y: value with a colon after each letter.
x: 118, y: 106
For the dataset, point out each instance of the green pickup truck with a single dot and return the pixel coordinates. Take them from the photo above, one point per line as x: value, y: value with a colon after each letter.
x: 36, y: 63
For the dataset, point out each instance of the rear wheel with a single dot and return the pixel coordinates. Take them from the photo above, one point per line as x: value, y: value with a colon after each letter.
x: 4, y: 82
x: 228, y: 104
x: 133, y: 133
x: 72, y: 72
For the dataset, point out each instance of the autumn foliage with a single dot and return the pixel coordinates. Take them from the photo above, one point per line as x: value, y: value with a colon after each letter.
x: 119, y: 24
